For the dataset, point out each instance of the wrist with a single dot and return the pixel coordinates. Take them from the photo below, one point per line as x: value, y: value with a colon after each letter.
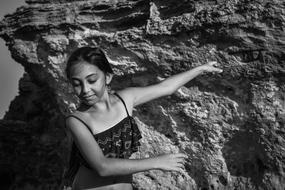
x: 201, y: 68
x: 154, y: 163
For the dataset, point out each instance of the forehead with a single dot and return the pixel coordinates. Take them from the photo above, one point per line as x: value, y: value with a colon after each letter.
x: 83, y: 69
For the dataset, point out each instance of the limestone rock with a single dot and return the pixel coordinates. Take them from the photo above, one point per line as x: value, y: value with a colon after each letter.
x: 231, y: 124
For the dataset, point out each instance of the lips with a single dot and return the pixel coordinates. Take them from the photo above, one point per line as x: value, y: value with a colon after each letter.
x: 88, y: 97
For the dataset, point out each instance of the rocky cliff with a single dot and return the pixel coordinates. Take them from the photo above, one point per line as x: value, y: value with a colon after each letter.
x: 231, y: 125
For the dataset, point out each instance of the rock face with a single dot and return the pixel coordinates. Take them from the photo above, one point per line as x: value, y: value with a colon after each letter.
x: 231, y: 125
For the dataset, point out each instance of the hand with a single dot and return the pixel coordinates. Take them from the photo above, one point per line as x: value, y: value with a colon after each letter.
x: 211, y: 66
x: 171, y: 162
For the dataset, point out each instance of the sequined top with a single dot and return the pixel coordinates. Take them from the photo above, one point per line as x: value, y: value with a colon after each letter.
x: 119, y: 141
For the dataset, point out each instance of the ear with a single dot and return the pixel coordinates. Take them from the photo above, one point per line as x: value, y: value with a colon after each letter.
x: 109, y: 77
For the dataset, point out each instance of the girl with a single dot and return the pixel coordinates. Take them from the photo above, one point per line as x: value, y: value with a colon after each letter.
x: 103, y: 130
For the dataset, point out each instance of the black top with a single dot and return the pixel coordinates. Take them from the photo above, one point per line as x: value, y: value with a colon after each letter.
x: 119, y: 141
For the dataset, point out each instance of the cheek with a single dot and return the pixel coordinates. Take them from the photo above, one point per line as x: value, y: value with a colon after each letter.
x: 77, y: 90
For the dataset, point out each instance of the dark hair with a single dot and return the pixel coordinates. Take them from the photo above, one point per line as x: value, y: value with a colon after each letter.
x: 92, y: 55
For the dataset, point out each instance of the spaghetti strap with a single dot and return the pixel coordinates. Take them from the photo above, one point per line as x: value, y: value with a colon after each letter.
x: 76, y: 117
x: 123, y: 102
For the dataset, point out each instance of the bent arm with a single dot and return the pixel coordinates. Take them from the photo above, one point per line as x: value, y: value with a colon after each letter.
x: 94, y: 156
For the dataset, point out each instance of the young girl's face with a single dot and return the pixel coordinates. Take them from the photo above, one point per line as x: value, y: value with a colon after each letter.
x: 89, y: 82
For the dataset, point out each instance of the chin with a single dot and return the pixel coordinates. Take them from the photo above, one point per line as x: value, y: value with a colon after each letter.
x: 89, y: 102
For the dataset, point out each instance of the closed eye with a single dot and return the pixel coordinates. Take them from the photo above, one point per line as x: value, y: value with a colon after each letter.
x: 75, y: 84
x: 92, y: 81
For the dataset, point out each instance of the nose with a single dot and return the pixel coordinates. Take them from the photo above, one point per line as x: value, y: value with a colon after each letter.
x: 85, y: 88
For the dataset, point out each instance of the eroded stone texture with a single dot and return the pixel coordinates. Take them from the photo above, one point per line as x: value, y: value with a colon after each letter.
x: 231, y: 124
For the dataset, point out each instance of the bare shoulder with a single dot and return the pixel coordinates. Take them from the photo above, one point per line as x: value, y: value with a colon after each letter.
x: 71, y: 120
x: 75, y: 120
x: 127, y: 95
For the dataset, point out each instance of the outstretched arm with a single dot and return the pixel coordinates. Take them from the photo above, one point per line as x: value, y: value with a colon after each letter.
x: 93, y: 154
x: 140, y: 95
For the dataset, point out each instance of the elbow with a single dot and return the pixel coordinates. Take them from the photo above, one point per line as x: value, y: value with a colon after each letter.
x: 103, y: 167
x: 104, y: 170
x: 103, y: 173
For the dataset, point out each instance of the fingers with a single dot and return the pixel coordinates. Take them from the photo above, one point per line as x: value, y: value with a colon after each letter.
x: 173, y: 162
x: 218, y: 70
x: 181, y: 155
x: 213, y: 63
x: 180, y: 159
x: 179, y: 168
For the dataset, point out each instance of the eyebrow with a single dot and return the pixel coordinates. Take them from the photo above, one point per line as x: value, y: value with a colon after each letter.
x: 92, y: 74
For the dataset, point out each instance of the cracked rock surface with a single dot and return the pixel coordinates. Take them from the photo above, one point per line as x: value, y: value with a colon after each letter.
x: 230, y: 124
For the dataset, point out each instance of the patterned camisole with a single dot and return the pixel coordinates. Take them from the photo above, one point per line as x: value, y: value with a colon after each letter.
x: 119, y: 141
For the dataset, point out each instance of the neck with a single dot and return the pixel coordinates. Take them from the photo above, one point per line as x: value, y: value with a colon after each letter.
x: 104, y: 103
